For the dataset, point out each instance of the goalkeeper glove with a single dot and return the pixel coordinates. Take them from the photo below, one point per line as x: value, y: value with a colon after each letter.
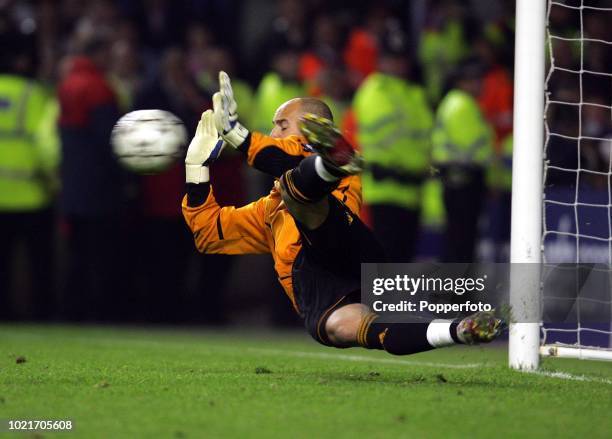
x: 204, y: 149
x: 226, y: 117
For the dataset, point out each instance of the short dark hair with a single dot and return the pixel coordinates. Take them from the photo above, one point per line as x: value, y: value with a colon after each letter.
x: 316, y: 107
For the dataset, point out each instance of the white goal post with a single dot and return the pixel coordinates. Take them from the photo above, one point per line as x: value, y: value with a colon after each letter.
x: 527, y: 169
x: 529, y: 223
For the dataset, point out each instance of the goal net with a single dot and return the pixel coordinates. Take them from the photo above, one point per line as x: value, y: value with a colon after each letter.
x: 562, y: 182
x: 577, y: 194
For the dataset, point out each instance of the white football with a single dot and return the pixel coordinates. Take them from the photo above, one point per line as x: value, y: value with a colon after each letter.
x: 148, y: 141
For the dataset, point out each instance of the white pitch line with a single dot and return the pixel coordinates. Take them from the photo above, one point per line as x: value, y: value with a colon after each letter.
x: 363, y: 359
x: 568, y: 376
x: 345, y: 357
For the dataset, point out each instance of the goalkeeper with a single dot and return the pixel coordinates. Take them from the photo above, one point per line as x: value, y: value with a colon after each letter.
x: 309, y: 224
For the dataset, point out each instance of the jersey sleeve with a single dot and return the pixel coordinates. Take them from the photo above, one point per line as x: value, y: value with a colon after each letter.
x: 274, y: 156
x: 227, y: 230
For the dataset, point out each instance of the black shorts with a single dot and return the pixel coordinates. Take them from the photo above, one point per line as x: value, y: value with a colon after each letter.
x: 327, y: 270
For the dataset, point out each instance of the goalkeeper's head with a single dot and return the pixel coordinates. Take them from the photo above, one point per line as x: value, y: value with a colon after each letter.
x: 287, y: 117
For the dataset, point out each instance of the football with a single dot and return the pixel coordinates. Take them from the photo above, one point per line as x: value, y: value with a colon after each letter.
x: 148, y: 141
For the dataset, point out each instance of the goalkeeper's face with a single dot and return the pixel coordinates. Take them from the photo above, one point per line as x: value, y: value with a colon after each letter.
x: 286, y: 120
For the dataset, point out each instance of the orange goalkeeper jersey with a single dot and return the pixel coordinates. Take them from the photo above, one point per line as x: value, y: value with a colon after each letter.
x: 264, y: 226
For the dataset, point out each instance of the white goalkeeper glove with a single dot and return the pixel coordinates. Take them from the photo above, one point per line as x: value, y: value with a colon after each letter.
x: 226, y: 117
x: 205, y: 148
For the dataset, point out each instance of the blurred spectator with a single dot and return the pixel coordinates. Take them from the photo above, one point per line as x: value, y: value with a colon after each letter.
x: 497, y: 91
x: 335, y: 91
x: 495, y: 102
x: 561, y: 151
x: 462, y: 149
x: 361, y: 52
x: 214, y: 16
x: 199, y: 39
x: 99, y: 17
x: 92, y: 184
x: 442, y: 45
x: 288, y: 33
x: 174, y: 89
x: 28, y: 165
x: 276, y: 87
x: 323, y: 52
x: 394, y: 131
x: 596, y: 148
x: 499, y: 181
x: 598, y: 55
x: 564, y: 21
x: 164, y: 243
x: 126, y: 74
x: 159, y: 22
x: 322, y: 69
x: 164, y: 261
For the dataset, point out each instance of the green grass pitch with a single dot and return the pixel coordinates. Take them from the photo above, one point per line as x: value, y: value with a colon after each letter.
x: 148, y: 383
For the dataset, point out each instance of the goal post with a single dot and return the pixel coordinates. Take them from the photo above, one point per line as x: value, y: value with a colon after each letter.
x: 527, y: 181
x: 561, y: 225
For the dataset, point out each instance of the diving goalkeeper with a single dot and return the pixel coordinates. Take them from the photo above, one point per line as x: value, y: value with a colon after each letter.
x: 309, y: 223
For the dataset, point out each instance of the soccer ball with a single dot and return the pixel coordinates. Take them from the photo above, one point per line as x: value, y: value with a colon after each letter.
x: 148, y: 141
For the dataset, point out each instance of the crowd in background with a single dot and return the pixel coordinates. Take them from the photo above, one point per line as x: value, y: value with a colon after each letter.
x: 423, y: 88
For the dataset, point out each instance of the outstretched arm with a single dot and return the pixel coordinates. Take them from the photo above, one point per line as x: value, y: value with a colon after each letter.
x: 225, y: 230
x: 215, y: 229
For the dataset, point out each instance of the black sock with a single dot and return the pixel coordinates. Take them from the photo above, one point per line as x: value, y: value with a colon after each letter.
x: 397, y: 338
x: 304, y: 184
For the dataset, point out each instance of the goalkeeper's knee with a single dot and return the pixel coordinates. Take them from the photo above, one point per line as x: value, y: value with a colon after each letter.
x: 343, y: 324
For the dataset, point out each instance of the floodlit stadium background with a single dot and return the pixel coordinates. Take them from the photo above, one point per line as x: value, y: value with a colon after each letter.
x: 131, y: 259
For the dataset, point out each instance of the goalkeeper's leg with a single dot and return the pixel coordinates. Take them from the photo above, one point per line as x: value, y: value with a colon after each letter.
x: 326, y: 277
x: 304, y: 192
x: 305, y: 188
x: 327, y: 271
x: 355, y: 325
x: 332, y: 235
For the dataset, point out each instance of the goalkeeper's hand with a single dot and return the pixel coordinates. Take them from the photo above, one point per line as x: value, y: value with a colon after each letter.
x: 226, y: 117
x: 204, y: 149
